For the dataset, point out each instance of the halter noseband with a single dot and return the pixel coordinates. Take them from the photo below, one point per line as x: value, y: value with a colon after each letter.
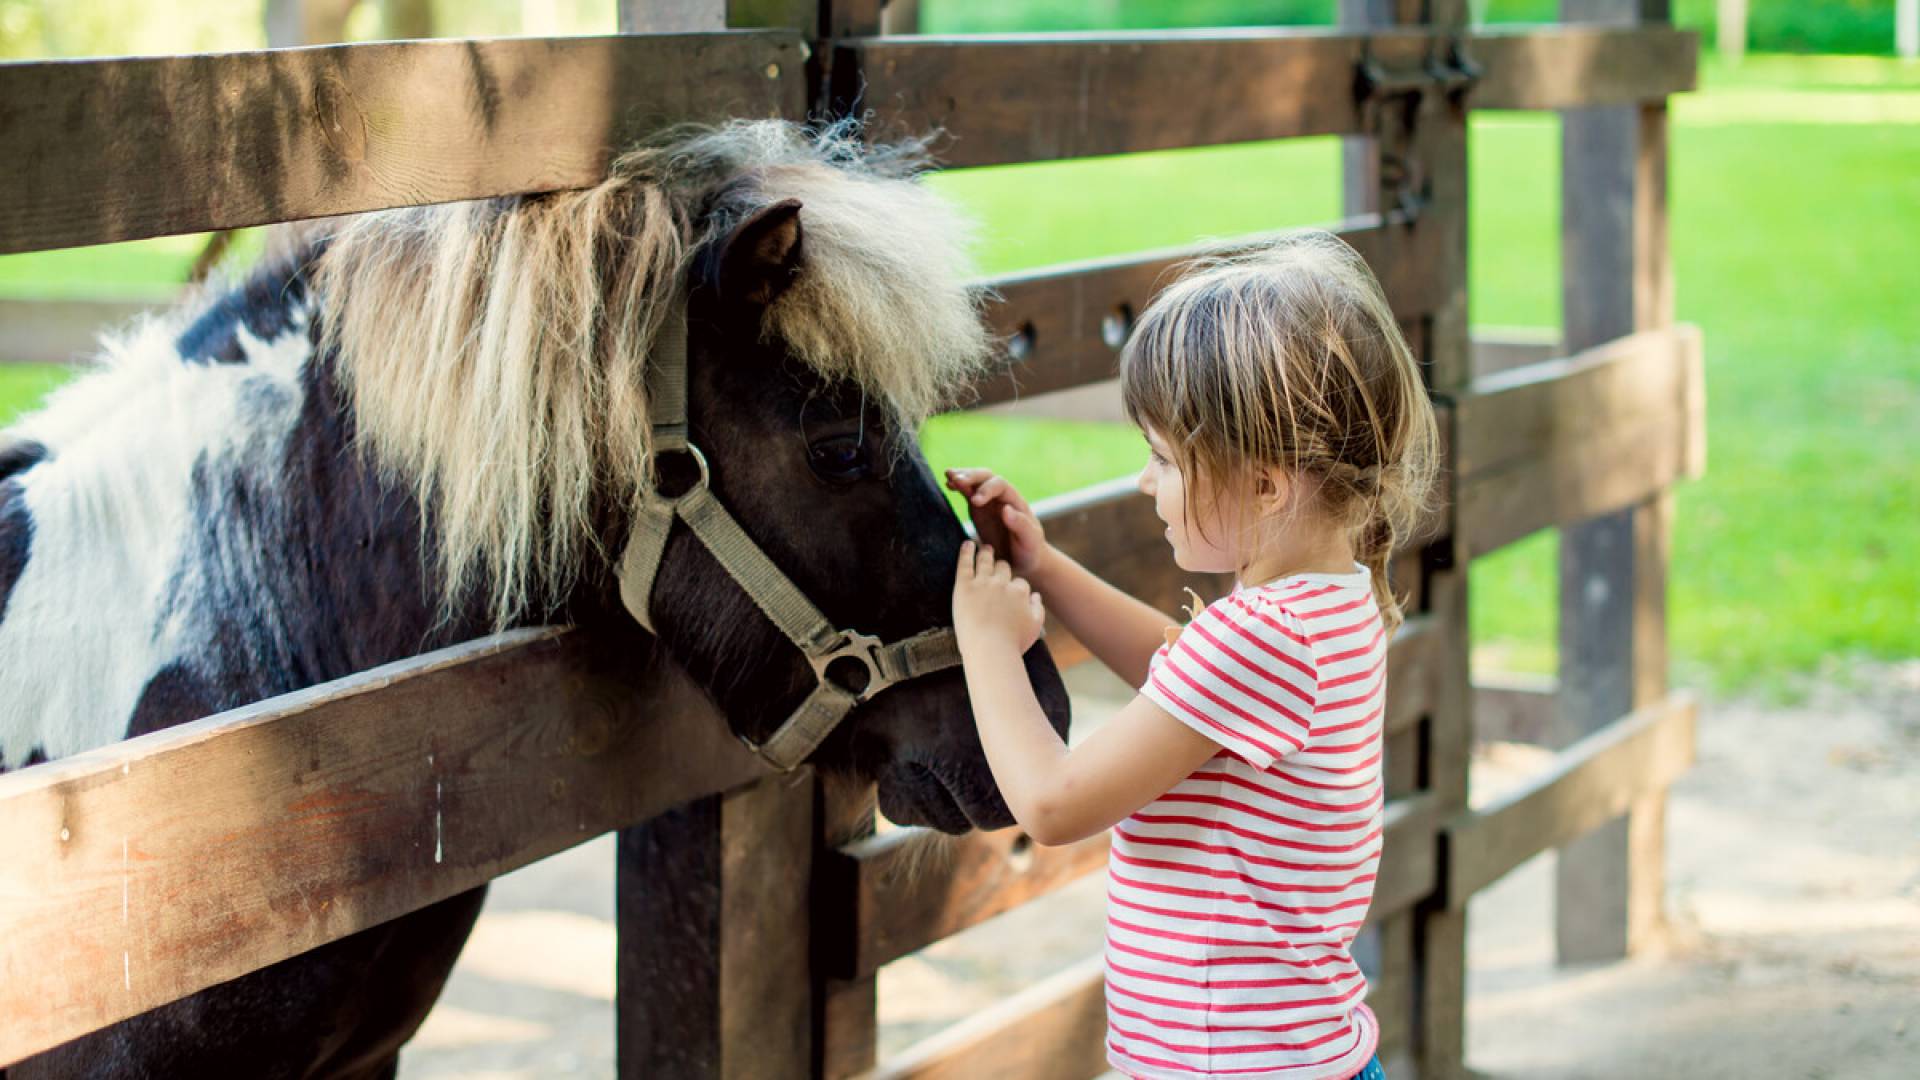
x: 823, y: 643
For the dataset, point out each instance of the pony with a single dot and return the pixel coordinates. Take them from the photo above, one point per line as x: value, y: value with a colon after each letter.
x: 415, y: 427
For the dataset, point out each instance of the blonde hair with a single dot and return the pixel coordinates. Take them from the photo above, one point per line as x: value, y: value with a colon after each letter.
x: 495, y: 352
x: 1288, y: 356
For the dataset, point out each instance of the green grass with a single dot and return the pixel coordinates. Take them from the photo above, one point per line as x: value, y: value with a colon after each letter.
x: 1792, y: 247
x: 150, y: 270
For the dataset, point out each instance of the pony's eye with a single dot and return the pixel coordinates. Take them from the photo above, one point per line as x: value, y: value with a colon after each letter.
x: 839, y: 460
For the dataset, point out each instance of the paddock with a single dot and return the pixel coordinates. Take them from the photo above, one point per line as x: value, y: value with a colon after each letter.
x: 302, y: 819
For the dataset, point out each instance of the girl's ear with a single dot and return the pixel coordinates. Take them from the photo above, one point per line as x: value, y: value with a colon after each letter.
x: 1272, y: 488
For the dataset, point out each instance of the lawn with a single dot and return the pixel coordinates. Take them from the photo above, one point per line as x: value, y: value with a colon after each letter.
x: 1795, y: 197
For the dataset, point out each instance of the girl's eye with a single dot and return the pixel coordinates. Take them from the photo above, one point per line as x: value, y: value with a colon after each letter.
x: 841, y: 459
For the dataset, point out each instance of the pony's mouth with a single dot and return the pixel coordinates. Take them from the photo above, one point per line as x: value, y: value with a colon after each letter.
x: 912, y: 794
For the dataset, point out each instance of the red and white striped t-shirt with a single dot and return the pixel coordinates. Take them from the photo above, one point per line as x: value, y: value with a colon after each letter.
x: 1233, y: 899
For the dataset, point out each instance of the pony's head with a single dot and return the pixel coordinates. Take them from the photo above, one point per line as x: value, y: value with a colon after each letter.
x: 497, y: 358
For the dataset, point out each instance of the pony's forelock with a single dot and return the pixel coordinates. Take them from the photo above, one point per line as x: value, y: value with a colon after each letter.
x: 495, y: 352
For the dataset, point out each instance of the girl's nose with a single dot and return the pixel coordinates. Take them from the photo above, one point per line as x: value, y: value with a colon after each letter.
x: 1144, y: 481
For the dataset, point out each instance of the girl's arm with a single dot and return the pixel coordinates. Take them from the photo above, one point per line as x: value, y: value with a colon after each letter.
x: 1057, y: 795
x: 1121, y: 631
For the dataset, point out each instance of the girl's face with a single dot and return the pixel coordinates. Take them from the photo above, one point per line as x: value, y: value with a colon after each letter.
x: 1205, y: 546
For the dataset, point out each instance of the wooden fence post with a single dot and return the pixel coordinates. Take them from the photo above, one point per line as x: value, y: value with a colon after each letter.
x: 1613, y: 568
x: 1438, y: 163
x: 714, y: 904
x: 1423, y: 140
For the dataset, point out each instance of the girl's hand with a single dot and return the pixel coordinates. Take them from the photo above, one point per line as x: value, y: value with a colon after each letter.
x: 1001, y: 517
x: 990, y: 602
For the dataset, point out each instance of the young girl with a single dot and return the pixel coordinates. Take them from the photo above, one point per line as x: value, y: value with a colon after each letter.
x: 1292, y: 444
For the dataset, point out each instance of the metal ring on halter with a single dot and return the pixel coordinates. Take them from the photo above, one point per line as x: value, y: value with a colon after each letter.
x: 854, y: 645
x: 699, y: 459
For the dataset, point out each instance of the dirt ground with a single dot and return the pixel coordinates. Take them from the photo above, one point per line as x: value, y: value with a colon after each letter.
x: 1792, y: 948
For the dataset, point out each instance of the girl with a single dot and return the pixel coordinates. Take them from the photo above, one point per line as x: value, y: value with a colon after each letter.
x: 1293, y: 445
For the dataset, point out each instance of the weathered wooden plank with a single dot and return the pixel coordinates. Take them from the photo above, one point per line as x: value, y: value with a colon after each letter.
x: 1038, y: 97
x: 1409, y: 861
x: 906, y: 897
x: 1390, y: 992
x: 1525, y: 413
x: 1616, y: 279
x: 1065, y: 324
x: 1567, y: 67
x: 103, y: 150
x: 765, y: 1010
x: 731, y: 876
x: 162, y: 865
x: 1517, y: 708
x: 1555, y: 443
x: 1502, y: 348
x: 1594, y: 781
x: 1055, y: 1028
x: 1413, y: 661
x: 847, y: 1021
x: 1430, y: 136
x: 849, y: 1016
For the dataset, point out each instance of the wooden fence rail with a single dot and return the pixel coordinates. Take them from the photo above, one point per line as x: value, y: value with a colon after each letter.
x: 105, y: 150
x: 164, y: 864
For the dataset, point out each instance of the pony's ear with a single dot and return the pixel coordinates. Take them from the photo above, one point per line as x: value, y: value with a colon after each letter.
x: 762, y: 256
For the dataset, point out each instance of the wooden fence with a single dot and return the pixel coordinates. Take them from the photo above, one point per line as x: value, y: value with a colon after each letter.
x: 165, y: 864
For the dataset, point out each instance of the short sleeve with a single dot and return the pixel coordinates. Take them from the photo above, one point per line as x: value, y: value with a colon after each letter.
x: 1242, y: 673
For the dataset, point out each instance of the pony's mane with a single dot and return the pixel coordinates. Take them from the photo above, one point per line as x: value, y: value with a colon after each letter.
x: 495, y: 351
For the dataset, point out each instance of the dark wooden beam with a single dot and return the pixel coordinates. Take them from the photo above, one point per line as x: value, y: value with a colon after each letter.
x: 106, y: 150
x: 1566, y: 67
x: 1594, y: 781
x: 715, y: 910
x: 1066, y: 323
x: 1559, y: 442
x: 1616, y: 279
x: 1057, y: 1027
x: 1038, y: 97
x: 905, y: 900
x: 159, y: 866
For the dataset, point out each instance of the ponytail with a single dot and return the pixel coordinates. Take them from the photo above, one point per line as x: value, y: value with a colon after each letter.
x: 1374, y: 548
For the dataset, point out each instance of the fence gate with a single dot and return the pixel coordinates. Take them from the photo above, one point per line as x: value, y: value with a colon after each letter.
x: 778, y: 940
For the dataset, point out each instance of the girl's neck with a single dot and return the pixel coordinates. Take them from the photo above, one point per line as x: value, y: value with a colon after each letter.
x: 1307, y: 548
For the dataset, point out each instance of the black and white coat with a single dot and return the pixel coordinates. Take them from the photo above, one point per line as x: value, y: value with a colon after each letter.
x: 187, y: 530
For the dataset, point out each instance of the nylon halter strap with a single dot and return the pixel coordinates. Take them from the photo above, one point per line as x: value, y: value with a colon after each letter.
x: 823, y: 643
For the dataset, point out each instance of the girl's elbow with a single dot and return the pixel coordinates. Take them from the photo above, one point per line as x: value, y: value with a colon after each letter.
x: 1052, y: 825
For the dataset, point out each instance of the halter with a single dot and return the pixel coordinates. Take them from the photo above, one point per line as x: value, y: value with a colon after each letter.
x: 823, y: 643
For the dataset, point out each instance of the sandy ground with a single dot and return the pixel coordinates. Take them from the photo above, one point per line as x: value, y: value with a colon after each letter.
x: 1792, y: 951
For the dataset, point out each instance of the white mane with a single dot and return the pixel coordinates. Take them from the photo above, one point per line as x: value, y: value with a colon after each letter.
x: 495, y: 351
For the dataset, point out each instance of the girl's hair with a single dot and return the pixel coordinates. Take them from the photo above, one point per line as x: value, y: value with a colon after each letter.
x: 1288, y: 356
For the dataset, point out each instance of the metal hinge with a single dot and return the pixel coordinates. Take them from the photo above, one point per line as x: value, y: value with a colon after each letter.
x: 1446, y: 68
